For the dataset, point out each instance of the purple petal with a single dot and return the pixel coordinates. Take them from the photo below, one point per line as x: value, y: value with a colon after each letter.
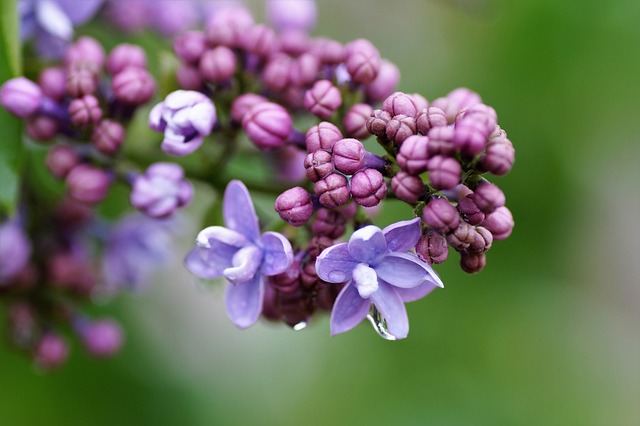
x: 215, y: 235
x: 349, y: 310
x: 53, y: 19
x: 238, y: 211
x: 80, y: 11
x: 202, y: 117
x: 392, y: 309
x: 156, y: 121
x: 401, y: 270
x: 183, y: 98
x: 433, y: 277
x: 174, y: 143
x: 244, y: 265
x: 403, y: 236
x: 335, y: 264
x: 278, y: 254
x: 367, y: 245
x: 244, y: 302
x: 417, y: 292
x: 215, y: 249
x: 196, y: 262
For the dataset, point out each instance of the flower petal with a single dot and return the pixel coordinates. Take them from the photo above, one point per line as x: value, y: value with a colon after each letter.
x: 404, y: 235
x: 392, y: 309
x: 238, y: 211
x: 335, y: 264
x: 183, y: 98
x: 196, y: 262
x: 245, y: 264
x: 402, y: 270
x: 244, y: 302
x: 53, y: 19
x: 278, y: 254
x: 156, y: 121
x: 417, y: 292
x: 433, y: 276
x: 214, y: 235
x: 349, y: 310
x: 202, y: 117
x: 80, y: 11
x: 367, y: 245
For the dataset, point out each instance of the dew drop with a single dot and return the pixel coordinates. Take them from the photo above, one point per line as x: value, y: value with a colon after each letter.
x: 337, y: 276
x: 379, y: 323
x: 300, y: 326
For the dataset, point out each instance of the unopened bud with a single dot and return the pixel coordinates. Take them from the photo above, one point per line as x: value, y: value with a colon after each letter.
x: 294, y: 206
x: 368, y: 187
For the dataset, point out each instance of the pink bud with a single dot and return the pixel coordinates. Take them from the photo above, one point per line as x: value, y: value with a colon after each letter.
x: 323, y: 99
x: 190, y: 46
x: 413, y: 155
x: 42, y: 127
x: 21, y: 97
x: 470, y: 211
x: 85, y: 111
x: 500, y: 223
x: 429, y: 118
x: 499, y: 156
x: 268, y: 125
x: 355, y: 121
x: 125, y: 55
x: 133, y: 86
x: 51, y: 351
x: 472, y: 262
x: 323, y: 136
x: 218, y: 65
x: 61, y: 159
x: 243, y: 103
x: 318, y: 165
x: 88, y: 184
x: 407, y: 187
x: 401, y: 103
x: 348, y: 155
x: 362, y: 61
x: 53, y: 81
x: 488, y: 197
x: 400, y: 128
x: 444, y: 172
x: 377, y: 123
x: 368, y: 187
x: 440, y: 216
x: 432, y: 248
x: 108, y: 136
x: 333, y: 190
x: 80, y: 82
x: 294, y: 206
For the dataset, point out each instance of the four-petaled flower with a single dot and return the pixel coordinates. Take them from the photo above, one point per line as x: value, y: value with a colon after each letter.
x: 240, y: 254
x: 379, y: 270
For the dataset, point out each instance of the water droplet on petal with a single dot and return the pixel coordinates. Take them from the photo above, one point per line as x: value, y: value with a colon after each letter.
x: 300, y: 326
x: 337, y: 276
x: 379, y: 323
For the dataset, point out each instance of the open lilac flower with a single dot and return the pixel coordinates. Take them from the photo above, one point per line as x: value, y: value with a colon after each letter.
x: 241, y: 255
x: 185, y: 117
x: 378, y: 270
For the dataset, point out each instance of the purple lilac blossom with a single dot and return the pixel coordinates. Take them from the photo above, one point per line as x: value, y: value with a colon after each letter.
x: 161, y: 190
x: 378, y: 269
x: 291, y: 15
x: 15, y: 249
x: 241, y: 255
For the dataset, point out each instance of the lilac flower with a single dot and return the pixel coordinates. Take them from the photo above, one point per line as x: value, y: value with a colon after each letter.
x: 240, y: 254
x: 378, y: 270
x: 161, y: 190
x: 185, y: 117
x: 15, y: 250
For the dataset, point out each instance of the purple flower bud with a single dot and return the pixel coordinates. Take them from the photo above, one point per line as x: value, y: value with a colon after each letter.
x: 295, y: 43
x: 86, y: 51
x: 429, y: 118
x: 463, y: 98
x: 330, y: 223
x: 294, y: 206
x: 462, y: 237
x: 368, y: 187
x: 449, y: 107
x: 441, y: 141
x: 125, y: 55
x: 482, y: 113
x: 41, y: 127
x: 348, y: 155
x: 268, y: 125
x: 385, y: 83
x: 413, y: 156
x: 286, y: 282
x: 108, y: 136
x: 432, y: 248
x: 15, y: 249
x: 499, y: 223
x: 323, y: 136
x: 400, y: 103
x: 53, y: 81
x: 287, y: 15
x: 440, y: 216
x: 488, y: 197
x: 234, y: 15
x: 362, y: 61
x: 472, y: 262
x: 333, y: 190
x: 407, y: 187
x: 260, y: 40
x: 275, y: 75
x: 173, y: 17
x: 190, y: 46
x: 355, y: 121
x: 318, y: 165
x: 470, y: 136
x: 483, y: 238
x: 51, y: 351
x: 88, y: 184
x: 498, y: 132
x: 470, y: 211
x: 161, y: 190
x: 499, y: 156
x: 218, y: 64
x: 400, y: 128
x: 21, y: 97
x: 80, y: 82
x: 101, y: 338
x: 330, y: 52
x: 304, y: 69
x: 323, y: 99
x: 61, y: 159
x: 377, y: 123
x: 243, y: 103
x: 133, y: 86
x: 189, y: 77
x: 444, y: 172
x: 85, y: 111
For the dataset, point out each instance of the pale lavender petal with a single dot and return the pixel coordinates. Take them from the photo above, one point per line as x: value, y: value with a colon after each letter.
x: 433, y: 276
x: 417, y: 292
x: 54, y: 20
x: 171, y: 171
x: 238, y: 211
x: 214, y: 235
x: 404, y: 235
x: 156, y: 120
x: 349, y: 310
x: 162, y: 207
x: 199, y: 266
x: 335, y: 264
x: 244, y: 265
x: 244, y: 302
x: 392, y: 309
x: 183, y: 98
x: 278, y: 253
x: 202, y: 117
x: 174, y: 144
x: 367, y: 245
x: 401, y: 270
x: 80, y: 11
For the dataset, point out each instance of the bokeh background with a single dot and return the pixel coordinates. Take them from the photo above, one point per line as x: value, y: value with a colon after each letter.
x: 547, y: 334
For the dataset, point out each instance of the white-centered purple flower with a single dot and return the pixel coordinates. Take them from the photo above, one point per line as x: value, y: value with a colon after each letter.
x: 379, y: 269
x: 241, y: 255
x: 161, y: 190
x: 185, y: 117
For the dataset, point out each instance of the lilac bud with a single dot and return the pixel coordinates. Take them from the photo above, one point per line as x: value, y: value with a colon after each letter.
x: 61, y: 159
x: 108, y: 136
x: 189, y: 77
x: 243, y: 103
x: 51, y: 351
x: 482, y: 113
x: 355, y: 121
x: 21, y: 97
x: 444, y: 172
x: 304, y: 69
x: 88, y: 184
x: 85, y: 111
x: 449, y: 107
x: 483, y: 238
x: 333, y: 190
x: 429, y: 118
x: 407, y: 187
x: 330, y: 52
x: 498, y: 132
x: 323, y: 99
x: 190, y: 46
x: 161, y: 190
x: 80, y: 82
x: 499, y: 223
x: 323, y: 136
x: 470, y: 136
x: 385, y: 83
x: 458, y: 193
x: 275, y: 75
x: 293, y: 97
x: 101, y: 338
x: 318, y: 165
x: 41, y: 127
x: 53, y: 81
x: 362, y: 61
x: 330, y: 223
x: 472, y: 262
x: 463, y: 98
x: 287, y: 15
x: 400, y: 103
x: 441, y: 141
x: 268, y: 125
x: 377, y: 123
x: 133, y: 86
x: 86, y: 51
x: 462, y: 237
x: 413, y: 157
x: 440, y: 216
x: 348, y: 155
x: 488, y: 197
x: 400, y: 128
x: 294, y: 206
x: 432, y: 248
x: 470, y: 211
x: 15, y: 250
x: 499, y: 156
x: 218, y: 64
x: 288, y: 281
x: 368, y: 187
x: 295, y: 43
x: 260, y: 40
x: 125, y: 55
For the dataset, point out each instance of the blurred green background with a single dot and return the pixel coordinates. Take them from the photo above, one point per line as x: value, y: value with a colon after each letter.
x: 547, y: 334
